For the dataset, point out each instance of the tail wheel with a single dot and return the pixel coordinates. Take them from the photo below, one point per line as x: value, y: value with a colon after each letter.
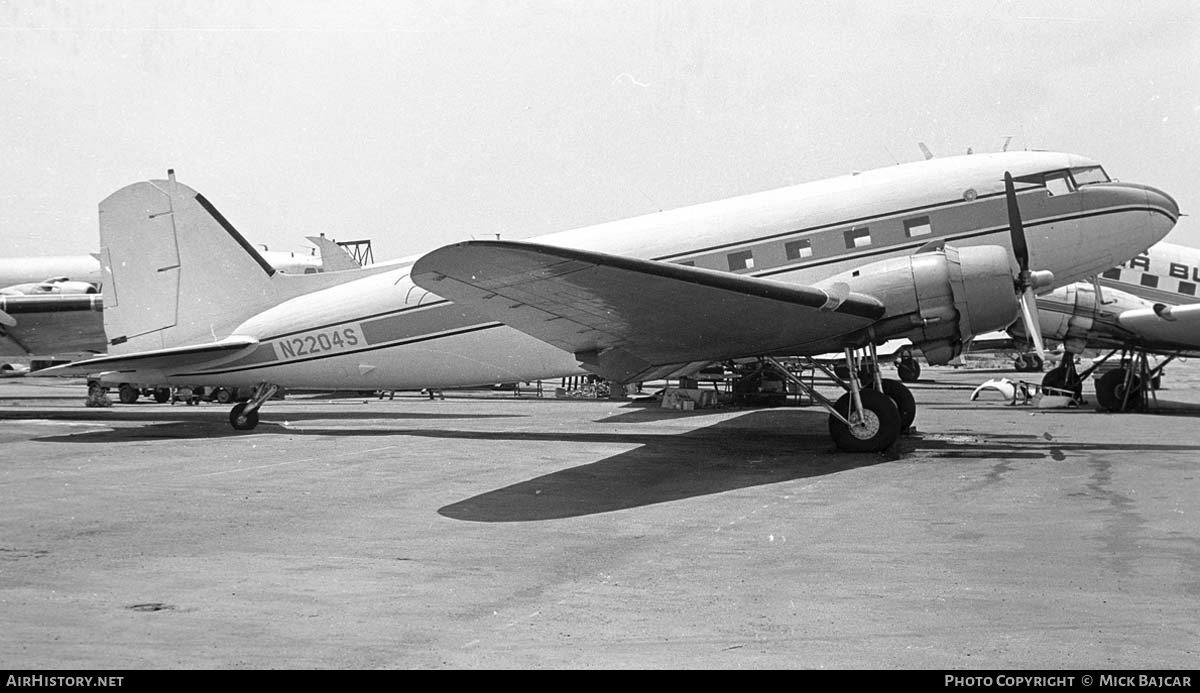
x: 1114, y: 395
x: 906, y: 404
x: 908, y: 370
x: 878, y: 428
x: 241, y: 419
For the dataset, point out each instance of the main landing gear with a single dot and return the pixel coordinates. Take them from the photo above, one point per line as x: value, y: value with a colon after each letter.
x: 1129, y: 387
x: 872, y: 414
x: 244, y: 415
x: 1064, y: 380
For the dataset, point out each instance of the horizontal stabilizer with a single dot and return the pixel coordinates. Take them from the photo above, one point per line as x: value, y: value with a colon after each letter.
x: 623, y: 316
x: 155, y: 360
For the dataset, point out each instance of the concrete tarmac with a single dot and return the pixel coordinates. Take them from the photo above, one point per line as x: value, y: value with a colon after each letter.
x: 483, y: 531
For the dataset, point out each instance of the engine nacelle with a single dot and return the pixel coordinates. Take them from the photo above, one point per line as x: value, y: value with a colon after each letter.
x: 939, y: 299
x: 1076, y: 316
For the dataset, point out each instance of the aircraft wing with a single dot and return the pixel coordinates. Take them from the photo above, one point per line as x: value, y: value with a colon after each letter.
x: 1170, y: 326
x: 625, y: 318
x: 157, y: 360
x: 51, y: 325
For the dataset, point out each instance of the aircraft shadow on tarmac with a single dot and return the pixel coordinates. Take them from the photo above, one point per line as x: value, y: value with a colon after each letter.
x: 755, y: 449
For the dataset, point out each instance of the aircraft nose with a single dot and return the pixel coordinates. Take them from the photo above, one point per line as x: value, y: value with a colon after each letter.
x: 1160, y: 199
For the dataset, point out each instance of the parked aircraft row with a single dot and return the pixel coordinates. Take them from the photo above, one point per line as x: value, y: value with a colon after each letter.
x: 934, y: 251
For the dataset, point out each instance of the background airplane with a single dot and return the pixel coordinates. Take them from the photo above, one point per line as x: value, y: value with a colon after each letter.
x: 933, y: 251
x: 1143, y: 307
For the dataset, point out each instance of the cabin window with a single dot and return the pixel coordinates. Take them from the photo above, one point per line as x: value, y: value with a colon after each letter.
x: 1187, y: 288
x: 918, y: 226
x: 798, y: 249
x: 858, y: 238
x: 1114, y: 273
x: 1150, y: 280
x: 1058, y: 183
x: 741, y: 260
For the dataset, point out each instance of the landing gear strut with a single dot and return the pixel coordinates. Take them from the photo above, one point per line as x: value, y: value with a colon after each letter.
x: 244, y: 415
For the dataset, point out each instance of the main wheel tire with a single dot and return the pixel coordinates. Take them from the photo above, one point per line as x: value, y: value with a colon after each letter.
x: 242, y: 420
x: 908, y: 370
x: 162, y: 394
x: 906, y: 404
x: 880, y: 427
x: 127, y: 394
x: 1111, y: 391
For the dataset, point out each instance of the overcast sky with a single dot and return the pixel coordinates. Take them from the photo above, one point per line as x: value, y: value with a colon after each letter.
x: 417, y: 124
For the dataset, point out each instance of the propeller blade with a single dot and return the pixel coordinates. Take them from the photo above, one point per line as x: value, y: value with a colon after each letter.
x: 1033, y: 325
x: 1016, y: 229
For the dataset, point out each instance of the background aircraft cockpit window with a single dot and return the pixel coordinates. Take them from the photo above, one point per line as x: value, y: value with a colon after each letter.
x: 1058, y: 183
x: 1086, y: 175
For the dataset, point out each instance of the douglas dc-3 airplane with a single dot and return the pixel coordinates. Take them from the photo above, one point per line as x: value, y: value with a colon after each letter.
x: 934, y: 251
x: 1145, y: 306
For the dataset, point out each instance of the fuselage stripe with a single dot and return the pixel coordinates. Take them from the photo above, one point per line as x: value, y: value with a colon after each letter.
x: 373, y: 347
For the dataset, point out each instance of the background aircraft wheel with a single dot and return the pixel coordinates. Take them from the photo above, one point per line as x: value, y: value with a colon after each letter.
x: 242, y: 420
x: 906, y: 405
x: 881, y: 423
x: 127, y: 393
x: 1057, y: 379
x: 1110, y: 391
x: 222, y: 396
x: 908, y: 370
x: 162, y: 394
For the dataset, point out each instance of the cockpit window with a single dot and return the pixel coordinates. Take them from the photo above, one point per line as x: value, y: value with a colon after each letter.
x: 1058, y: 183
x: 1086, y: 175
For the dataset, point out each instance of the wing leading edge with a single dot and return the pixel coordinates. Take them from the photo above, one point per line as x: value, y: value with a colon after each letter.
x: 1165, y: 327
x: 624, y: 318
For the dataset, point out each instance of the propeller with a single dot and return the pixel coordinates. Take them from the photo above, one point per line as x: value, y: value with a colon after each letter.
x: 1026, y: 281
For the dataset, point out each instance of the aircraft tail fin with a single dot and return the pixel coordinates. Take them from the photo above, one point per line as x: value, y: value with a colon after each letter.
x: 176, y: 272
x: 334, y: 258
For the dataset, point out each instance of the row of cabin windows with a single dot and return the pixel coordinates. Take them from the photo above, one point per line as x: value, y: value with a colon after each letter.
x: 802, y: 248
x: 1151, y: 281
